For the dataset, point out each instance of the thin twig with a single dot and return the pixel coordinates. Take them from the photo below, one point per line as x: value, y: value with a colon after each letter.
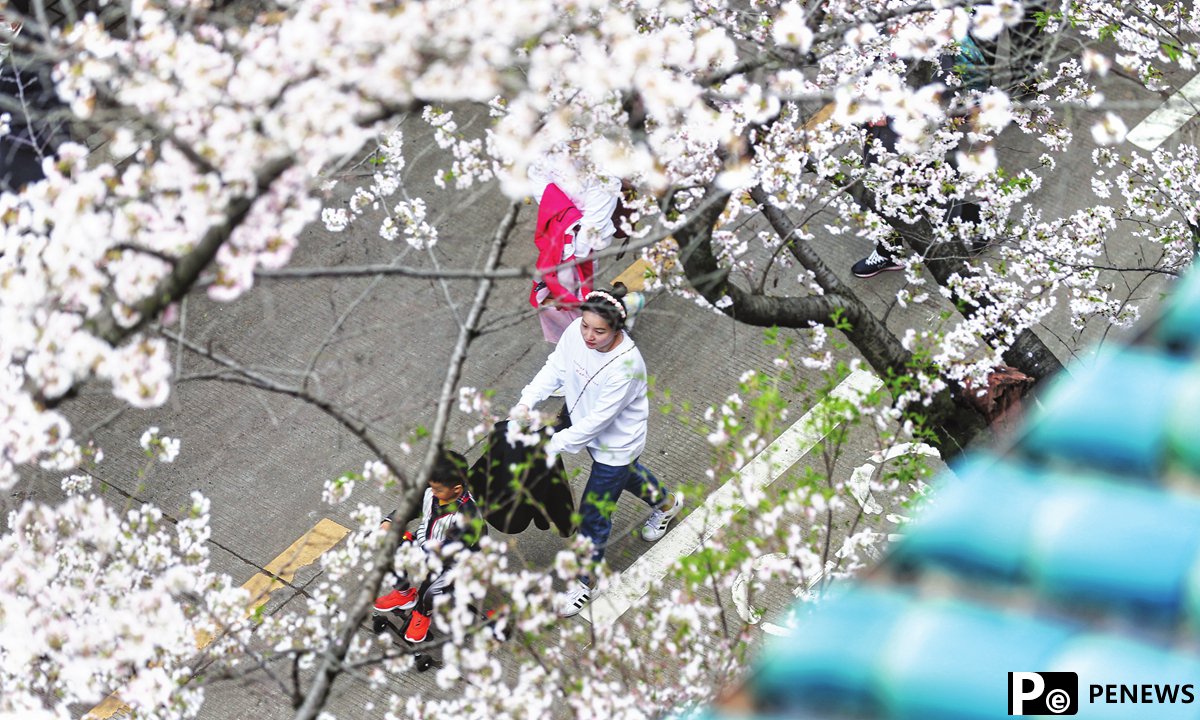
x: 333, y: 330
x: 522, y: 271
x: 360, y: 604
x: 246, y: 376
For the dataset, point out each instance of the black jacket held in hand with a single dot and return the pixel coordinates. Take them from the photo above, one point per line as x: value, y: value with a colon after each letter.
x: 513, y: 486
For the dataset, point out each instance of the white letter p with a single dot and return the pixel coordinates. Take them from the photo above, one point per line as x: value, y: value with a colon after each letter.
x: 1017, y: 695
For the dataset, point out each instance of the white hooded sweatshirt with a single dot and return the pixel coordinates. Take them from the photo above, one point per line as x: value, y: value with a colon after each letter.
x: 609, y: 413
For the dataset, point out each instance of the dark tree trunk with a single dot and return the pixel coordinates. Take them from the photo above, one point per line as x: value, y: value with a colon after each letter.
x: 954, y: 422
x: 1027, y: 353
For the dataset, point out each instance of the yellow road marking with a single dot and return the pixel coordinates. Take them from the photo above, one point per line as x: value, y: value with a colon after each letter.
x: 281, y: 570
x: 819, y: 117
x: 303, y: 552
x: 634, y: 276
x: 108, y: 708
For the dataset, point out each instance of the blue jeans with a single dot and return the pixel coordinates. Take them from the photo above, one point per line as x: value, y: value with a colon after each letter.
x: 604, y: 486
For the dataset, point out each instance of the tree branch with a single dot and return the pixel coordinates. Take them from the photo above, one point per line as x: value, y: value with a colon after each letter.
x: 187, y: 268
x: 957, y: 422
x: 251, y: 378
x: 360, y: 605
x: 882, y: 351
x: 133, y: 247
x: 506, y: 273
x: 945, y: 259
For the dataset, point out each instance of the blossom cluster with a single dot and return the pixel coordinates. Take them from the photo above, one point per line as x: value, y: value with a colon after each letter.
x: 123, y: 614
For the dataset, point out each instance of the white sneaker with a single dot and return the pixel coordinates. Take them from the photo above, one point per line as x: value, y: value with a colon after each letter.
x: 572, y: 600
x: 656, y: 526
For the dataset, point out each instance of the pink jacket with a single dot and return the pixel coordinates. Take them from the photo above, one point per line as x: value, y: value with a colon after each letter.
x: 556, y: 214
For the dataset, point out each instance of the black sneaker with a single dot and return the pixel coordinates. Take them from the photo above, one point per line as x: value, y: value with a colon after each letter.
x: 976, y: 244
x: 873, y: 264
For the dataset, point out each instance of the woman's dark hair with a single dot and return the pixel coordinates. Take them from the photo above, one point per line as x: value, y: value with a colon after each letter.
x: 608, y: 304
x: 449, y: 469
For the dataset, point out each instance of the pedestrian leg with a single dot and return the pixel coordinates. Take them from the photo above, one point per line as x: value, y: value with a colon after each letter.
x: 604, y: 486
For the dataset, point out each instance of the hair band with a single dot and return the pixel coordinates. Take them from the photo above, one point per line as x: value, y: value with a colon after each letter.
x: 607, y: 298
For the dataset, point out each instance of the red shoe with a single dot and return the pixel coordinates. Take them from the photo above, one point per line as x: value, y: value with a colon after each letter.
x: 418, y: 628
x: 397, y: 600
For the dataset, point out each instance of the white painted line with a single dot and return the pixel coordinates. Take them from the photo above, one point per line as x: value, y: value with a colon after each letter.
x: 704, y: 521
x: 1169, y: 117
x: 860, y: 488
x: 741, y: 587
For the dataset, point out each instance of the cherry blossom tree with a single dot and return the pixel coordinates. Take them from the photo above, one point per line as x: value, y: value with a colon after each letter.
x: 222, y: 137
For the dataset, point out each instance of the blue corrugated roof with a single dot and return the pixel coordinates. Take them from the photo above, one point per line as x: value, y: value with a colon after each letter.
x: 1076, y: 549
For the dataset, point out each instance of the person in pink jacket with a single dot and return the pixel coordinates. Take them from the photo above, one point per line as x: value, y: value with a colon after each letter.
x: 558, y: 293
x: 576, y: 219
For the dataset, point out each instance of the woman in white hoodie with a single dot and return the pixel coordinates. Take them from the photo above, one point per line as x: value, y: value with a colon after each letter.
x: 603, y: 378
